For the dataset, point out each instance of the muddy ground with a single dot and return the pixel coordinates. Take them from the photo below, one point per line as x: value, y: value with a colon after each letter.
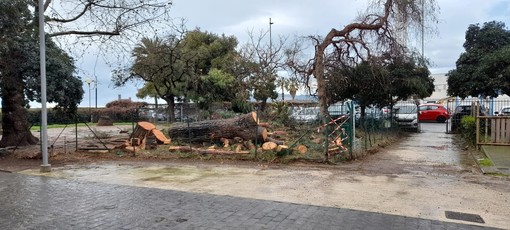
x: 423, y: 176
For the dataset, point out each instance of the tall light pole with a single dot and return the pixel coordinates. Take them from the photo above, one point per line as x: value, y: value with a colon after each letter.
x: 88, y: 81
x: 270, y: 38
x: 271, y: 52
x: 45, y: 167
x: 95, y: 84
x: 423, y: 30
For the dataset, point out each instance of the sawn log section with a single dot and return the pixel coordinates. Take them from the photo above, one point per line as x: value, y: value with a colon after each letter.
x: 244, y: 126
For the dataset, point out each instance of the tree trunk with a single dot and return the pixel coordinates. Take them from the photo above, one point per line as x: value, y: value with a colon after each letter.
x: 244, y: 126
x: 170, y: 101
x: 16, y: 129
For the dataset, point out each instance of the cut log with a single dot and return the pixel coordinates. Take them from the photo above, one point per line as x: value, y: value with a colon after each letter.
x: 226, y: 142
x: 280, y: 148
x: 160, y: 137
x: 146, y: 125
x: 300, y: 149
x: 279, y: 142
x: 244, y: 126
x: 204, y: 151
x: 269, y: 146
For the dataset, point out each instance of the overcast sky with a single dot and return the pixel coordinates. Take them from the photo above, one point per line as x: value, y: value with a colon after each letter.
x: 301, y: 18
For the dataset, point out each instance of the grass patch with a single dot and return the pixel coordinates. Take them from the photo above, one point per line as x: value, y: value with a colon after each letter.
x: 497, y: 174
x: 61, y: 126
x: 485, y: 162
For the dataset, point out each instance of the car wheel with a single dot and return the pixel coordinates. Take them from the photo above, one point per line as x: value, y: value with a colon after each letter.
x: 441, y: 119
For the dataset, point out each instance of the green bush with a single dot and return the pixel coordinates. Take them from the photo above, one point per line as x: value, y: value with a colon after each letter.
x: 280, y: 113
x: 468, y: 128
x: 55, y: 116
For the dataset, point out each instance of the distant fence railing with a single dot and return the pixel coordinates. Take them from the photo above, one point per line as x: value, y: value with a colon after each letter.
x: 487, y: 107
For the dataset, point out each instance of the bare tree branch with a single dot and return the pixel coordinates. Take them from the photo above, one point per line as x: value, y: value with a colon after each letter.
x: 78, y: 16
x: 91, y: 33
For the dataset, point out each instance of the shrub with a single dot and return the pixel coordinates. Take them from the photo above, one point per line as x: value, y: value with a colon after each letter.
x: 280, y: 113
x: 55, y: 116
x: 468, y: 129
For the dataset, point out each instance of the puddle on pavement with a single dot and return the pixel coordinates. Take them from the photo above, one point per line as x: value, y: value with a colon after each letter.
x: 178, y: 174
x: 432, y: 147
x: 143, y: 174
x: 440, y: 147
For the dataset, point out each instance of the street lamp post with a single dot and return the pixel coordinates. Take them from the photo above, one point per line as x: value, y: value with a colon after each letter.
x: 88, y: 81
x: 95, y: 85
x: 45, y: 167
x: 270, y: 38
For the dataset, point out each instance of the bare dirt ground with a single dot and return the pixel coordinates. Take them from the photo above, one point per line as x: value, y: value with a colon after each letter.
x: 422, y: 176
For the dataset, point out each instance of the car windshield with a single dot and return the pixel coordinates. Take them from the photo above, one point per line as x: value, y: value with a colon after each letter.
x: 463, y: 109
x: 406, y: 109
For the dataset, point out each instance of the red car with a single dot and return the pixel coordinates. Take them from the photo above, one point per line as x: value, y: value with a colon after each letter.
x: 433, y: 112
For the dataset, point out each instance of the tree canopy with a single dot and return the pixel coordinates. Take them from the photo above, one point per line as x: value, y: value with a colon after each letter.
x: 484, y: 68
x: 261, y: 62
x: 379, y: 82
x: 19, y: 62
x: 20, y: 72
x: 89, y: 22
x: 376, y: 31
x: 189, y: 64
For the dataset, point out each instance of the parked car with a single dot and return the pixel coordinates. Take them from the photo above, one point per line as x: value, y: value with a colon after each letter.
x: 461, y: 111
x: 406, y: 116
x: 433, y: 112
x: 310, y: 114
x: 505, y: 111
x: 151, y: 115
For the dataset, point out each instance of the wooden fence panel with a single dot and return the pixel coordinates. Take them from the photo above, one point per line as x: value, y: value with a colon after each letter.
x: 499, y: 130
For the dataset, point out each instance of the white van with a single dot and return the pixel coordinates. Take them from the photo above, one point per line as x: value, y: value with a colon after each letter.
x: 406, y: 115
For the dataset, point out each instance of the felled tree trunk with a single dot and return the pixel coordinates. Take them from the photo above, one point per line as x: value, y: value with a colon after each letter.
x: 244, y: 126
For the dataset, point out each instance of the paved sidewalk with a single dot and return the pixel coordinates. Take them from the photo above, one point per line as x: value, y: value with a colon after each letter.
x: 500, y: 155
x: 32, y: 202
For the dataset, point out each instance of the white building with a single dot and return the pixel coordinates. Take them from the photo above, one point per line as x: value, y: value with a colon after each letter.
x: 440, y: 88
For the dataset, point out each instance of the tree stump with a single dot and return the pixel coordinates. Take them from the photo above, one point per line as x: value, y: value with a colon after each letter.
x: 104, y: 121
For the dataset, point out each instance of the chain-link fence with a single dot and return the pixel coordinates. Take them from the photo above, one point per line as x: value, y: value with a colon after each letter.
x: 481, y: 121
x: 299, y: 128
